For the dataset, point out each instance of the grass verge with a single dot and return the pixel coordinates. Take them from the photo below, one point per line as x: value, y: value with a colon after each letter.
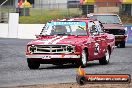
x: 38, y: 16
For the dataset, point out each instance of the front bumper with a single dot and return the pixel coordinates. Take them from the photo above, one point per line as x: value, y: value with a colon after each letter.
x: 63, y: 56
x: 53, y: 59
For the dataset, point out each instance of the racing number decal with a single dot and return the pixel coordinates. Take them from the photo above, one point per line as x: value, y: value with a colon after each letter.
x: 96, y: 51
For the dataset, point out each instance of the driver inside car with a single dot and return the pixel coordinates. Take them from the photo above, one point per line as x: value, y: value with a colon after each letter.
x: 59, y: 29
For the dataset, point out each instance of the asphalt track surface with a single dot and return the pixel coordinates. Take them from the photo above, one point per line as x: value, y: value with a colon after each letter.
x: 15, y: 72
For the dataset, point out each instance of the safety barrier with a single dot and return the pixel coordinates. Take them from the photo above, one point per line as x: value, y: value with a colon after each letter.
x: 24, y: 31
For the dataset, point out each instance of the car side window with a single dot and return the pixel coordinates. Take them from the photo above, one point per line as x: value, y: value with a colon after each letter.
x: 93, y: 28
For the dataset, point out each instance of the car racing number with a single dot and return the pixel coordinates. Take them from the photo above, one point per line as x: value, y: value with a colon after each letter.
x: 96, y: 51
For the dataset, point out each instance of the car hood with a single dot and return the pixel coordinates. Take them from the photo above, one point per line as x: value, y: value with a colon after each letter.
x: 53, y: 40
x: 113, y: 26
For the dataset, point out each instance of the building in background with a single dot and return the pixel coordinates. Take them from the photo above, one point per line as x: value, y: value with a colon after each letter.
x: 126, y: 7
x: 49, y: 4
x: 73, y: 4
x: 97, y: 6
x: 114, y: 6
x: 9, y: 2
x: 88, y: 6
x: 14, y: 3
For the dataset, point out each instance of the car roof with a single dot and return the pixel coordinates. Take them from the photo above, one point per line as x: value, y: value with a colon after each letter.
x: 75, y: 19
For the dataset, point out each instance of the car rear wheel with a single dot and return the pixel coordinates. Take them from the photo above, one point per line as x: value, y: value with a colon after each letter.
x: 33, y: 64
x: 105, y: 59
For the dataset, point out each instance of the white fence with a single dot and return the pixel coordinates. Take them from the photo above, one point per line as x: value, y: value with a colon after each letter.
x: 4, y: 30
x: 24, y: 31
x: 15, y: 30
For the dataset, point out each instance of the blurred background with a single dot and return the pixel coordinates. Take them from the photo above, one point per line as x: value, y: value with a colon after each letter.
x: 51, y: 9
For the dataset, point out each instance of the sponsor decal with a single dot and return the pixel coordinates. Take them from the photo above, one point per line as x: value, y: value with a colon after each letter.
x: 67, y: 23
x: 83, y: 78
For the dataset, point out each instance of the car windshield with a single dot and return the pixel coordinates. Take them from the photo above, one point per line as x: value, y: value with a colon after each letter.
x: 107, y: 19
x: 65, y: 28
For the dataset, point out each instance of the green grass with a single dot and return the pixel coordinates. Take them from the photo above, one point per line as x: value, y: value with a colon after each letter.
x: 38, y: 16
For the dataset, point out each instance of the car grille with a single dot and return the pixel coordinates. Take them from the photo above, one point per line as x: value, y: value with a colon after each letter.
x: 51, y: 49
x: 115, y: 31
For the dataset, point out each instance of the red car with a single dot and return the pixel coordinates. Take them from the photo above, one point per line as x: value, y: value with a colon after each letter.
x: 112, y: 24
x: 75, y: 41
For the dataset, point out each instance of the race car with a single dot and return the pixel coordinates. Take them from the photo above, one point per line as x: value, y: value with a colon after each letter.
x: 74, y: 41
x: 112, y: 24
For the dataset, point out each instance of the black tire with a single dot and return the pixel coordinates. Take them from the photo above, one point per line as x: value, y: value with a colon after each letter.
x: 83, y: 60
x: 33, y: 64
x: 122, y: 44
x: 105, y: 59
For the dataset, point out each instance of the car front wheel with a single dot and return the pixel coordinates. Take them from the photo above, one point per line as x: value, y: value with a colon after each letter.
x: 32, y: 64
x: 84, y: 58
x: 105, y: 59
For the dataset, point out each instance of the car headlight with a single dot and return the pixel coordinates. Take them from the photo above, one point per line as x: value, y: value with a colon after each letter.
x: 32, y: 49
x: 71, y: 48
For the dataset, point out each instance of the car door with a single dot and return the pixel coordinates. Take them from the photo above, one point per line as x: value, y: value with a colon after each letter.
x: 91, y: 42
x: 95, y: 41
x: 103, y: 38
